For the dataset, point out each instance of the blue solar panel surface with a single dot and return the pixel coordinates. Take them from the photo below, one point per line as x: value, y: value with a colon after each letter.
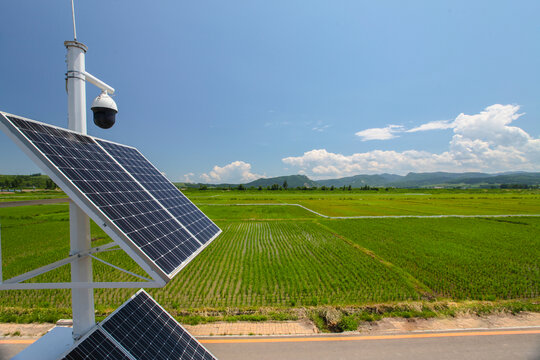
x: 198, y: 224
x: 147, y: 331
x: 96, y: 347
x: 116, y: 193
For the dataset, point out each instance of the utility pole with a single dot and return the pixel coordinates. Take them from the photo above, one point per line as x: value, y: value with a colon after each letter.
x: 82, y: 300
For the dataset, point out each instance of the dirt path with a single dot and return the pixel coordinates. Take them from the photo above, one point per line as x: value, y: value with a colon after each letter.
x: 465, y: 321
x: 32, y: 202
x: 306, y: 327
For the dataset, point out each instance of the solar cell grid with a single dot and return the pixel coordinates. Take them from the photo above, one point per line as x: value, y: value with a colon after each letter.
x: 96, y: 347
x: 114, y: 192
x: 198, y: 224
x: 148, y: 332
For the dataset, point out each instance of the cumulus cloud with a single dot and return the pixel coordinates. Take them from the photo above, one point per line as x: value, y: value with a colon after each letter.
x: 385, y: 133
x: 491, y: 125
x: 235, y: 172
x: 482, y: 142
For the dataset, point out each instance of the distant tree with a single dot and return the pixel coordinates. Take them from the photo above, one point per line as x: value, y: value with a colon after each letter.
x: 285, y: 185
x: 50, y: 185
x: 275, y: 187
x: 259, y: 188
x: 16, y: 182
x: 514, y: 186
x: 241, y: 187
x: 203, y: 187
x: 323, y: 188
x: 350, y: 187
x: 332, y: 188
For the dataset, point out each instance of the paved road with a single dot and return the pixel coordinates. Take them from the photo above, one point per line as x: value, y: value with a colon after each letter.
x: 490, y: 345
x: 462, y: 345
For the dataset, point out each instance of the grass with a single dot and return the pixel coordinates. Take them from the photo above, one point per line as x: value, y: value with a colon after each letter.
x: 282, y: 264
x: 254, y: 212
x: 480, y: 258
x: 394, y: 202
x: 285, y: 263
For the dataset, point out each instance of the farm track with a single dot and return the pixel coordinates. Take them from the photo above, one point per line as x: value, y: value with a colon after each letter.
x: 381, y: 216
x: 33, y: 202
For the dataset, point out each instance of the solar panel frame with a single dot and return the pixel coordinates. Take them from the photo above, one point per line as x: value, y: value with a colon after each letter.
x: 86, y: 204
x: 103, y: 325
x: 87, y: 347
x: 135, y: 333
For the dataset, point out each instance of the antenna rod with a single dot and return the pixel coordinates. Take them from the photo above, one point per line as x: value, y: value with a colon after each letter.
x: 73, y: 15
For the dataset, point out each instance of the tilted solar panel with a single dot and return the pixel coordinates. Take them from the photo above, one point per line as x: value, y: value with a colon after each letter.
x: 140, y: 329
x: 147, y: 331
x: 198, y: 224
x: 113, y: 197
x: 96, y: 346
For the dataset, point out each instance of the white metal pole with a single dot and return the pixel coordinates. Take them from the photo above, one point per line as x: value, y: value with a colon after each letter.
x: 1, y: 277
x: 82, y: 300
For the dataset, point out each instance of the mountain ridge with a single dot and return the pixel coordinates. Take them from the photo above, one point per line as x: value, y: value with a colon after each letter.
x: 411, y: 180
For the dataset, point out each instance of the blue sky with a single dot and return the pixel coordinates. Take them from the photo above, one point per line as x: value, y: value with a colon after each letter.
x: 227, y: 91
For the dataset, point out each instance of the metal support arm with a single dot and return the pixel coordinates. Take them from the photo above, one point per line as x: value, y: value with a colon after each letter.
x: 16, y: 283
x: 100, y: 84
x: 83, y: 285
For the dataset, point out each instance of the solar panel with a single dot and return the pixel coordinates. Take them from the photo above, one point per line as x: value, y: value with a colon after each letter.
x: 163, y: 190
x: 96, y: 346
x: 140, y: 329
x: 147, y: 331
x: 95, y: 179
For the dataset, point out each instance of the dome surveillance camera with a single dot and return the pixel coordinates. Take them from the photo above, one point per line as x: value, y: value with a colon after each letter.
x: 105, y: 110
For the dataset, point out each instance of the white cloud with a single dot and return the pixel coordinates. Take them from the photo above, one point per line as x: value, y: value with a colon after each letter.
x: 189, y: 177
x: 385, y: 133
x: 434, y: 125
x: 481, y: 142
x: 235, y: 172
x: 320, y: 128
x: 491, y: 125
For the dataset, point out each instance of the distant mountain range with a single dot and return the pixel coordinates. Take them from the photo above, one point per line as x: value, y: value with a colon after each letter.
x: 436, y: 179
x: 293, y: 181
x: 411, y: 180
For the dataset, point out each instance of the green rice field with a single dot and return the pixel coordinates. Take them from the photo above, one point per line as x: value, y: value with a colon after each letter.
x: 287, y: 257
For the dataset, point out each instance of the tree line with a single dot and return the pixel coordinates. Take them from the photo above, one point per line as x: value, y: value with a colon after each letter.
x: 32, y: 181
x: 285, y: 186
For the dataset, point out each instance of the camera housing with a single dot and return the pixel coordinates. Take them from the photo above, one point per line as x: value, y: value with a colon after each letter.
x: 105, y: 111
